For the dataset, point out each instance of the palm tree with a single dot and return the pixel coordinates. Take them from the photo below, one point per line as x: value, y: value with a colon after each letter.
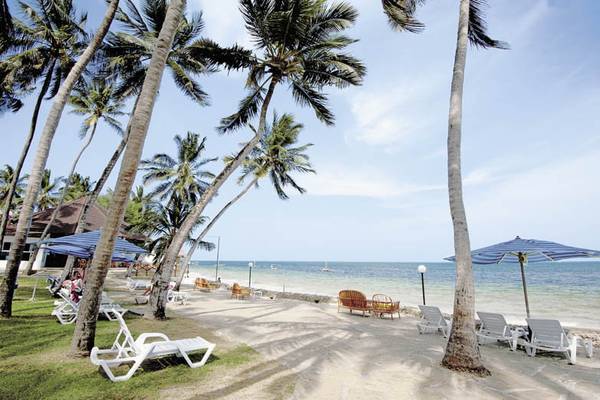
x: 274, y: 157
x: 7, y: 284
x: 299, y: 43
x: 462, y: 351
x: 128, y: 55
x: 183, y: 176
x: 44, y: 47
x: 85, y: 328
x: 6, y: 177
x: 168, y: 221
x: 48, y: 196
x: 94, y: 101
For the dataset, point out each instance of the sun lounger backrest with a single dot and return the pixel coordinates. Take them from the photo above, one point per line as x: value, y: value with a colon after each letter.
x: 124, y: 340
x: 492, y: 322
x: 547, y: 331
x: 433, y: 315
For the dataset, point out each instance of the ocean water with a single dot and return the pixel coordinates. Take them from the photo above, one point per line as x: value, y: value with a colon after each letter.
x: 568, y: 291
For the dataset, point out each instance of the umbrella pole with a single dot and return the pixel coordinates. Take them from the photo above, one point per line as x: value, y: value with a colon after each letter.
x: 524, y: 287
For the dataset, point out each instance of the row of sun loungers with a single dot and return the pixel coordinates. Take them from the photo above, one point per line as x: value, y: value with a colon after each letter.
x: 541, y: 335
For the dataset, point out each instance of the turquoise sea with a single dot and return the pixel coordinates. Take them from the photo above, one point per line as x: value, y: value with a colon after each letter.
x: 569, y: 291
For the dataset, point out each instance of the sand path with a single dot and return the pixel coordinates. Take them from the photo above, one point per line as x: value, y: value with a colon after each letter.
x: 343, y: 356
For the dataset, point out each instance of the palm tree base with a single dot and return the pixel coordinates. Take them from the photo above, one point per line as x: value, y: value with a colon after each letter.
x: 461, y: 363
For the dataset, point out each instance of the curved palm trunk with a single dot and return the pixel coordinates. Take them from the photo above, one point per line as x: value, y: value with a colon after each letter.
x: 92, y: 197
x: 61, y: 200
x: 85, y: 329
x: 462, y: 351
x: 24, y: 151
x: 162, y: 276
x: 190, y: 253
x: 7, y: 285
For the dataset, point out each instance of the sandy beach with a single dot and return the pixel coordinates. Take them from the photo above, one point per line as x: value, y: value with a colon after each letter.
x: 341, y: 356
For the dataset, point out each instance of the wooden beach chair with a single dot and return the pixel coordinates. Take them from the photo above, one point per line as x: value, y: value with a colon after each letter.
x: 549, y: 335
x: 239, y: 292
x: 432, y: 320
x: 383, y: 304
x: 354, y: 300
x: 204, y: 285
x: 494, y: 328
x: 127, y: 350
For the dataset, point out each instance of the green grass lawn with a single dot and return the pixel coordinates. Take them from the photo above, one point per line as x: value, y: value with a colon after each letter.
x: 34, y: 363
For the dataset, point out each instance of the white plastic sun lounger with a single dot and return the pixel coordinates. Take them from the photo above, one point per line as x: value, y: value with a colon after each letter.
x: 127, y: 350
x: 495, y: 328
x: 137, y: 284
x: 177, y: 297
x: 549, y: 335
x: 432, y: 320
x: 66, y: 311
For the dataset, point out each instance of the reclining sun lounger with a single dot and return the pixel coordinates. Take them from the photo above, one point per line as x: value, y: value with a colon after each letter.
x: 176, y: 297
x: 66, y: 311
x: 432, y: 320
x: 495, y: 328
x: 549, y: 335
x: 127, y: 350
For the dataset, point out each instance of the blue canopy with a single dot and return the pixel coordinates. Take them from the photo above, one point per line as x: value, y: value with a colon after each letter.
x: 81, y: 253
x: 532, y: 250
x: 521, y: 251
x: 86, y: 244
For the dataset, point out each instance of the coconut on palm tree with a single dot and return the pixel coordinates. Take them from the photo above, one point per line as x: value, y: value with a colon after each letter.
x: 299, y: 43
x: 85, y: 328
x: 462, y: 351
x: 43, y: 48
x: 275, y: 157
x: 185, y: 175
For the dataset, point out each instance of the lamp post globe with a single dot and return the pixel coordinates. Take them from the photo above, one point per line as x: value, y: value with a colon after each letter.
x: 422, y: 269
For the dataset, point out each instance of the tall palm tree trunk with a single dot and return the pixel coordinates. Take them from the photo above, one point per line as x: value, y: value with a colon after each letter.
x: 462, y: 351
x: 162, y: 276
x: 85, y: 329
x: 7, y: 285
x: 61, y: 200
x: 190, y: 253
x: 24, y: 151
x: 90, y: 200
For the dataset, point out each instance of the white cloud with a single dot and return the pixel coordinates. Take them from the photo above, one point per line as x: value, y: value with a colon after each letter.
x: 223, y: 21
x: 339, y: 180
x: 387, y: 117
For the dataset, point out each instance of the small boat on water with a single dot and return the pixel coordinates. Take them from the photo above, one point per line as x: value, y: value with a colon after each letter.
x: 274, y: 267
x: 326, y: 268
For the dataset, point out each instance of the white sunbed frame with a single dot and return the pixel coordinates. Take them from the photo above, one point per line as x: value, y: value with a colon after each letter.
x: 177, y: 297
x: 137, y: 284
x: 494, y: 328
x: 66, y: 310
x: 549, y: 335
x: 127, y: 350
x: 432, y: 320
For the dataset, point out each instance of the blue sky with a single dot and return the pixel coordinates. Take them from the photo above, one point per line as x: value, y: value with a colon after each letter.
x: 531, y: 138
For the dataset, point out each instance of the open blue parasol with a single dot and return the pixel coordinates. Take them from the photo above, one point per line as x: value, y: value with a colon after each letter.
x: 522, y: 251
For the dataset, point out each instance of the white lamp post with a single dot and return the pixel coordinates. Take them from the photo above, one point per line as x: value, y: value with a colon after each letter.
x: 250, y: 265
x: 422, y: 269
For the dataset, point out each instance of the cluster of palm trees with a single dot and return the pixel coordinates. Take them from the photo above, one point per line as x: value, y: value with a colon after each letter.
x: 298, y: 45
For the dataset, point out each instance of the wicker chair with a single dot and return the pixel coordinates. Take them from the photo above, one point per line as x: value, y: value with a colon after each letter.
x: 383, y: 304
x: 202, y: 284
x: 239, y: 292
x: 354, y: 300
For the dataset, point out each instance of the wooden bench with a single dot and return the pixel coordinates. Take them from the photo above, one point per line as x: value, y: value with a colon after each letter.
x: 383, y: 304
x: 354, y: 300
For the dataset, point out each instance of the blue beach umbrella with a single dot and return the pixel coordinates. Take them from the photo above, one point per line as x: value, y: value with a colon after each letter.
x: 84, y: 245
x: 521, y: 251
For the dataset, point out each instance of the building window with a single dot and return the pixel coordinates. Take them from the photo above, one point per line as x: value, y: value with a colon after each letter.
x: 6, y: 249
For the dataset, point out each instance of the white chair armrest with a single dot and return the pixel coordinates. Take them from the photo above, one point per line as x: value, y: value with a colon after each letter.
x: 142, y: 338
